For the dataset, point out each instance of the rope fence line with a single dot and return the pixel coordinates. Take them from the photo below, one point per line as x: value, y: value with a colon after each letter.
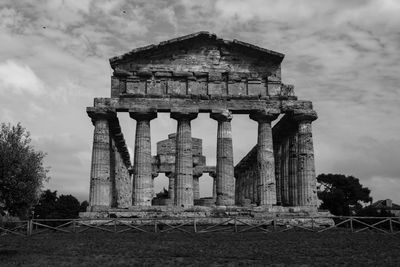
x: 200, y: 225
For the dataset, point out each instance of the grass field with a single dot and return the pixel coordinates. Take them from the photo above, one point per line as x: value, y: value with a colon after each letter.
x: 181, y: 249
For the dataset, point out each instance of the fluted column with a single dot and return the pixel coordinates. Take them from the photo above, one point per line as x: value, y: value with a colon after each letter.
x: 292, y: 170
x: 100, y: 197
x: 224, y: 168
x: 183, y: 159
x: 142, y: 191
x: 307, y: 191
x: 214, y: 189
x: 285, y: 172
x: 171, y: 186
x: 265, y: 157
x: 196, y: 187
x: 278, y: 177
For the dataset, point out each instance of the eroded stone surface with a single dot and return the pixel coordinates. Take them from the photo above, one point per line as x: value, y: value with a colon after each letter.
x: 185, y: 76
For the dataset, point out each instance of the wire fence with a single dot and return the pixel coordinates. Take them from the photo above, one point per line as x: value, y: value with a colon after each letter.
x: 385, y: 225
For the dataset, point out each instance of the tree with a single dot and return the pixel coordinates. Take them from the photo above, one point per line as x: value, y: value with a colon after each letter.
x: 22, y: 173
x: 342, y: 195
x: 84, y: 205
x: 67, y: 207
x: 46, y: 205
x: 52, y: 207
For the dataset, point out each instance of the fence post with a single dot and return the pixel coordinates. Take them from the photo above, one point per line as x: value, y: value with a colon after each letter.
x: 30, y: 226
x: 235, y: 227
x: 351, y: 224
x: 391, y: 225
x: 194, y: 225
x: 274, y: 222
x: 115, y: 225
x: 155, y: 226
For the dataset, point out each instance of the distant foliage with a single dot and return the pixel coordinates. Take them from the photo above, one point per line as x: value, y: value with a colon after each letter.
x: 162, y: 194
x: 22, y: 173
x: 373, y: 212
x: 83, y: 206
x: 52, y: 207
x: 342, y: 195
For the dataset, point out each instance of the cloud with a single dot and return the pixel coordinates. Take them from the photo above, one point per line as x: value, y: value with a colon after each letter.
x: 18, y: 78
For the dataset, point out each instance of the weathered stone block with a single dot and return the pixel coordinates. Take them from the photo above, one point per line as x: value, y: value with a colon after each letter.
x: 256, y: 87
x: 177, y: 87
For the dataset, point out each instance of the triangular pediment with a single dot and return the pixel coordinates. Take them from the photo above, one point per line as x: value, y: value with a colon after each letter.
x: 200, y: 51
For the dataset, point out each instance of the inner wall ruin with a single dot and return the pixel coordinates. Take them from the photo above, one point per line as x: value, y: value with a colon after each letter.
x: 186, y: 76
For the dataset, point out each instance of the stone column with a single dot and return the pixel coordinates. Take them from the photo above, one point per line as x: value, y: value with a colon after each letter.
x: 142, y: 191
x: 278, y: 177
x: 292, y: 170
x: 285, y: 172
x: 100, y: 197
x: 307, y: 189
x: 265, y: 156
x: 224, y: 168
x: 171, y: 187
x: 214, y: 191
x: 184, y: 159
x: 196, y: 187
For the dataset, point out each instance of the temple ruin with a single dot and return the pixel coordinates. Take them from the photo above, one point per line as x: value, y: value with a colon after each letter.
x: 201, y: 73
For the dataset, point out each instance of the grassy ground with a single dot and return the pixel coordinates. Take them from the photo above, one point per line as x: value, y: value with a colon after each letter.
x: 175, y: 249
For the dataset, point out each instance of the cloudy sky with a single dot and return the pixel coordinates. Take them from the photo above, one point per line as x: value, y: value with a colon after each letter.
x: 342, y: 55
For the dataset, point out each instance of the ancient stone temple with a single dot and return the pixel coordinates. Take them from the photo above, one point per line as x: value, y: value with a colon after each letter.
x: 201, y: 73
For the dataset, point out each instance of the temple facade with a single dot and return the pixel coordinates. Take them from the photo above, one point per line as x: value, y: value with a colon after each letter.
x: 201, y: 73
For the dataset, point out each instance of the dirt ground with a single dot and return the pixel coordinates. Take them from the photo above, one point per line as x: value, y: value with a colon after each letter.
x: 210, y: 249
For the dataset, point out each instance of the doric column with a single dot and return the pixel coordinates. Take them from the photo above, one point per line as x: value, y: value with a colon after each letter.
x: 307, y: 191
x: 292, y: 170
x: 265, y: 156
x: 224, y: 168
x: 184, y: 158
x: 214, y: 191
x: 278, y: 177
x: 142, y: 191
x: 100, y: 197
x: 196, y: 187
x: 285, y: 172
x: 171, y: 186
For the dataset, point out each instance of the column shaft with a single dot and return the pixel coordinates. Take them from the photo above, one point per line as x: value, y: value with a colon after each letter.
x: 224, y: 168
x: 306, y: 169
x: 292, y: 181
x: 214, y: 193
x: 142, y: 170
x: 196, y: 187
x: 278, y: 177
x: 285, y: 172
x: 171, y: 187
x: 100, y: 183
x: 142, y: 165
x: 184, y: 165
x: 265, y: 162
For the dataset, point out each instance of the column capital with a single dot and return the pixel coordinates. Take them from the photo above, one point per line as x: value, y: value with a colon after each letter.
x: 265, y: 115
x: 187, y: 114
x: 305, y: 116
x: 101, y: 114
x: 221, y: 115
x: 143, y: 113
